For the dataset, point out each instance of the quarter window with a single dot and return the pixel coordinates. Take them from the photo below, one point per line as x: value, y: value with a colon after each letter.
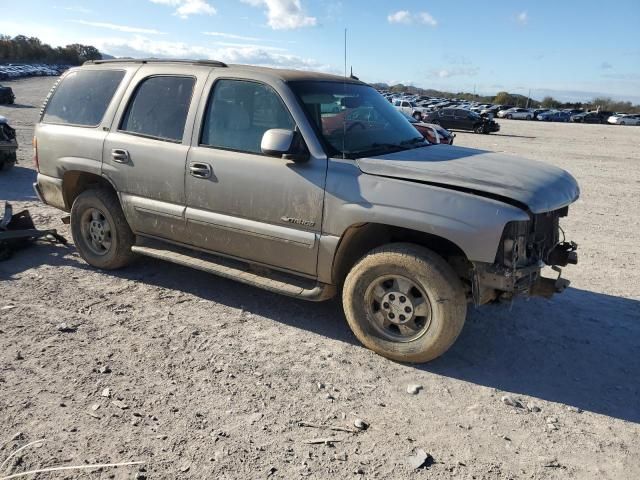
x: 82, y: 98
x: 159, y: 108
x: 238, y: 114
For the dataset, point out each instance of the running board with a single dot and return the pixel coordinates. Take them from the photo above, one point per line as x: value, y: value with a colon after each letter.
x: 273, y: 281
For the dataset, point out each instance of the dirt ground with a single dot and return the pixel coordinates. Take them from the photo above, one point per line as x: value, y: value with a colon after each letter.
x: 201, y: 377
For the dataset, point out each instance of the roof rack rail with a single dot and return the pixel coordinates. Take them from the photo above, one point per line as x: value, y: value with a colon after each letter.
x: 210, y: 63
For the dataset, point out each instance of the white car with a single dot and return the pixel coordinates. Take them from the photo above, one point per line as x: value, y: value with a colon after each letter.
x: 624, y: 119
x: 516, y: 113
x: 410, y: 108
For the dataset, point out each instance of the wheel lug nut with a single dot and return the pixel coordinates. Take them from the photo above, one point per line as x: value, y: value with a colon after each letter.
x: 392, y: 297
x: 385, y: 305
x: 407, y: 309
x: 402, y: 318
x: 403, y: 299
x: 391, y: 315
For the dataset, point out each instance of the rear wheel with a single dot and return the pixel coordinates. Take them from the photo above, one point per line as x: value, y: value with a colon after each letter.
x: 100, y: 230
x: 528, y: 117
x: 405, y: 303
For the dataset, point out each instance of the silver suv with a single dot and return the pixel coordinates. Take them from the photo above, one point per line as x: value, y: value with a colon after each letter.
x: 301, y: 183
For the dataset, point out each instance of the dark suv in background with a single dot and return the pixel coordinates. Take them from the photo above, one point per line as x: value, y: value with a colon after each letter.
x: 461, y: 119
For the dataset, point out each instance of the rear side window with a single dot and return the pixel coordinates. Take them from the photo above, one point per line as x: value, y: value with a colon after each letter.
x: 238, y: 114
x: 159, y: 108
x: 82, y: 97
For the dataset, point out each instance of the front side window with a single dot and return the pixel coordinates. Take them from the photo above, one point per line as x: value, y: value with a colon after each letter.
x: 240, y: 112
x: 366, y: 124
x: 82, y: 98
x: 159, y: 108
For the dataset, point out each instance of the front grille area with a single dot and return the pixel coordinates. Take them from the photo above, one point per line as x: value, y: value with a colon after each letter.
x: 527, y: 243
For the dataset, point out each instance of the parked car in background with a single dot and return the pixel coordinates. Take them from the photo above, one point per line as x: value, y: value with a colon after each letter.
x: 460, y: 119
x: 516, y: 114
x: 433, y: 133
x: 591, y: 117
x: 8, y: 145
x: 7, y: 96
x: 624, y: 119
x: 538, y: 111
x: 410, y: 108
x: 554, y: 116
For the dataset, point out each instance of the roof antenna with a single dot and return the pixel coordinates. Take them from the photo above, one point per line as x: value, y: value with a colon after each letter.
x: 352, y: 76
x: 344, y: 91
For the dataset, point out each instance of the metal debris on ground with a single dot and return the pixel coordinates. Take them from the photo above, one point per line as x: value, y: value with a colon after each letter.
x: 18, y: 231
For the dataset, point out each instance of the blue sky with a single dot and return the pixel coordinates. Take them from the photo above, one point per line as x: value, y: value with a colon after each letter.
x: 572, y: 49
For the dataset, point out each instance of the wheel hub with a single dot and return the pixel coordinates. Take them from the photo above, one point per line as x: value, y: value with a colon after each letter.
x: 96, y: 231
x: 398, y: 308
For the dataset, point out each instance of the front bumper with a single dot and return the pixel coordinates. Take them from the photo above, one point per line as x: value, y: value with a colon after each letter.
x: 495, y: 281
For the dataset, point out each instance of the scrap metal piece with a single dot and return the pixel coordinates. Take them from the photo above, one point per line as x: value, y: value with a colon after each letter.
x: 18, y: 231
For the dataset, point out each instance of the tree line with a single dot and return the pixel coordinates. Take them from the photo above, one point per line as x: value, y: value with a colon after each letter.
x: 506, y: 98
x: 23, y: 49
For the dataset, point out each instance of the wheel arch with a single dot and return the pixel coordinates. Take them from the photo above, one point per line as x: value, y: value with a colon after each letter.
x: 359, y: 239
x: 74, y: 182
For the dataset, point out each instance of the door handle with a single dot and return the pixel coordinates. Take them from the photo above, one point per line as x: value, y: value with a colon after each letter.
x: 119, y: 155
x: 200, y: 170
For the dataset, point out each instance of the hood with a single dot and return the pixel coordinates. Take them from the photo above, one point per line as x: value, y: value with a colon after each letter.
x: 536, y: 186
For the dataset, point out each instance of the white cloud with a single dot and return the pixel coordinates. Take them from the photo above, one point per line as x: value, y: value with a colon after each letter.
x: 454, y: 72
x: 522, y: 18
x: 406, y: 17
x: 606, y: 66
x: 185, y: 8
x: 284, y: 14
x: 401, y: 16
x: 231, y: 36
x: 143, y: 47
x: 119, y: 28
x: 427, y: 19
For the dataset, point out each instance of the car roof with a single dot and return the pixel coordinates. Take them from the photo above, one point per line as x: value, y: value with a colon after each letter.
x: 286, y: 75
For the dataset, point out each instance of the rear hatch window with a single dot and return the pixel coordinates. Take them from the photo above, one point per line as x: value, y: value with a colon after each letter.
x: 82, y: 98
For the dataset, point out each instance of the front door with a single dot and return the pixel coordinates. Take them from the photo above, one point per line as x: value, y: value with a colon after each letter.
x: 241, y: 202
x: 145, y: 154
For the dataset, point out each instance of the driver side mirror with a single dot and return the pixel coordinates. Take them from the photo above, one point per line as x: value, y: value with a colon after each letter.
x: 287, y: 144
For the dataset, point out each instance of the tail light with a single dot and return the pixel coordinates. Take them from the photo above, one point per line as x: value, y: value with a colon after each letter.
x: 35, y: 154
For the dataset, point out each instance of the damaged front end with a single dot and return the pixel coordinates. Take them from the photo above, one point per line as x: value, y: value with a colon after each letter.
x: 525, y: 248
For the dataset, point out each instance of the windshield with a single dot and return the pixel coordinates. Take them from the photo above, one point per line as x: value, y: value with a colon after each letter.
x: 354, y: 120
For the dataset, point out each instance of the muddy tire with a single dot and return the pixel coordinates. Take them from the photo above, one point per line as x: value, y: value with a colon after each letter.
x: 405, y: 303
x: 100, y: 230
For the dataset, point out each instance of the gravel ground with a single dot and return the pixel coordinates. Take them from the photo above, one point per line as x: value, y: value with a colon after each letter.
x: 200, y: 377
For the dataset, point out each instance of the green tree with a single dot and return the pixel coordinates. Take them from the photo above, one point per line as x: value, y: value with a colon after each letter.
x: 550, y: 102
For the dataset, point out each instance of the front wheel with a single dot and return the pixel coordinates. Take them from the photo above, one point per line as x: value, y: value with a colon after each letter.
x: 100, y: 230
x: 417, y: 116
x: 479, y: 129
x: 405, y: 303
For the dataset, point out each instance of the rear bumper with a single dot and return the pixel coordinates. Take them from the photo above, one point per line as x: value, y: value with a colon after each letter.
x: 49, y: 191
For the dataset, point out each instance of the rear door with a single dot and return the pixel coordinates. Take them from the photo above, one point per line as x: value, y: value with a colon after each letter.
x: 146, y: 151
